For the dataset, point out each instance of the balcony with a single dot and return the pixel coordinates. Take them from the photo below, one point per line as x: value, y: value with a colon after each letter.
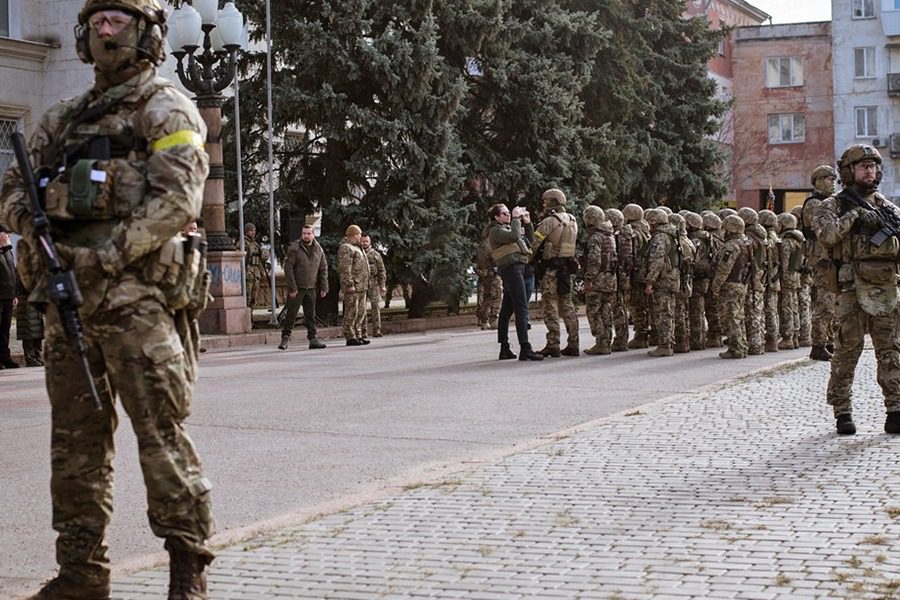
x: 890, y: 19
x: 893, y: 84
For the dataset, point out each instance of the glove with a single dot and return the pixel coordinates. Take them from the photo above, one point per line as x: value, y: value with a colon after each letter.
x: 870, y: 221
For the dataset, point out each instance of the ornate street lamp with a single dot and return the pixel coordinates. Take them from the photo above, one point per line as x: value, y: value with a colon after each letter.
x: 205, y: 41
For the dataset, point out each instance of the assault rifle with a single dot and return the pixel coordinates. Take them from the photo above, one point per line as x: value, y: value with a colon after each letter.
x: 62, y: 285
x: 890, y: 221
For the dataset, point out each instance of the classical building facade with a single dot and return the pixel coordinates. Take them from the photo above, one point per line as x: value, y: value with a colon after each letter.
x: 783, y: 119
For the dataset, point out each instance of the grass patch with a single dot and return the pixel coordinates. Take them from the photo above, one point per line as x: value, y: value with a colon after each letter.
x: 875, y: 540
x: 716, y: 525
x: 782, y: 580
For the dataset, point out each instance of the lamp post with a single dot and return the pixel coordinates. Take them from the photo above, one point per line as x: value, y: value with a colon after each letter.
x: 205, y: 41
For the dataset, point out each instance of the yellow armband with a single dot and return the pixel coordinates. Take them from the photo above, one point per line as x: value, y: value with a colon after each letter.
x: 185, y: 137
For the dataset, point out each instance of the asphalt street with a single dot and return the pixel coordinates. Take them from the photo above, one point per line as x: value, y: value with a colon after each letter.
x: 286, y: 436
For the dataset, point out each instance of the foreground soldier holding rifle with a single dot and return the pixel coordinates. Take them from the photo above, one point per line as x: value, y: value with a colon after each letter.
x: 120, y: 174
x: 859, y: 227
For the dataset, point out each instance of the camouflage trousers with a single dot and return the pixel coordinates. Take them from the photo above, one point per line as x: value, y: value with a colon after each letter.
x: 804, y: 327
x: 374, y: 301
x: 790, y: 312
x: 620, y: 314
x: 639, y: 309
x: 696, y: 323
x: 136, y: 355
x: 354, y: 315
x: 682, y: 318
x: 714, y: 328
x: 853, y: 323
x: 731, y: 302
x: 770, y: 308
x: 257, y: 287
x: 490, y: 292
x: 823, y: 317
x: 663, y: 306
x: 552, y: 304
x: 754, y: 306
x: 599, y: 306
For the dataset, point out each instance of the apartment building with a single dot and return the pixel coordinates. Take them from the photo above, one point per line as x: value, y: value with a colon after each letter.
x: 783, y: 118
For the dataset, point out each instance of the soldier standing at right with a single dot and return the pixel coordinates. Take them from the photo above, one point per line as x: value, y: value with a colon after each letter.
x: 256, y: 259
x: 865, y: 280
x: 662, y: 279
x: 555, y: 237
x: 353, y: 268
x: 377, y: 286
x: 822, y: 299
x: 731, y: 273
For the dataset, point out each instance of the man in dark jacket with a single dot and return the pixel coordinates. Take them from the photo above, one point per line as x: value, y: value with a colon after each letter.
x: 7, y: 297
x: 306, y: 273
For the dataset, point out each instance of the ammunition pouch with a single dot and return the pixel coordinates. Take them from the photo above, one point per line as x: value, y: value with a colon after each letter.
x: 95, y: 190
x: 179, y: 270
x: 876, y: 272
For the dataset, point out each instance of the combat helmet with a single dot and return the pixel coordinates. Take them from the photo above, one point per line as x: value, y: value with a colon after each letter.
x: 712, y: 222
x: 726, y: 211
x: 553, y: 197
x: 822, y: 171
x: 633, y: 212
x: 787, y: 221
x: 767, y: 218
x: 748, y: 215
x: 857, y: 153
x: 655, y: 216
x: 733, y: 224
x: 693, y: 220
x: 153, y: 27
x: 593, y: 216
x: 615, y: 217
x: 678, y: 221
x: 665, y: 209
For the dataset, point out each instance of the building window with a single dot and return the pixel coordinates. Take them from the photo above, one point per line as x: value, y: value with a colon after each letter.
x: 4, y: 18
x: 784, y: 71
x: 787, y: 128
x: 863, y: 9
x: 866, y: 121
x: 864, y: 62
x: 7, y: 128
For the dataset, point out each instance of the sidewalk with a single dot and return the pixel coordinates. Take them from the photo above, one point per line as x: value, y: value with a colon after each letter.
x: 740, y: 491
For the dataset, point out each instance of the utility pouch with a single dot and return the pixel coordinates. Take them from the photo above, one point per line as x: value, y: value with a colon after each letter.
x: 96, y: 190
x: 877, y: 272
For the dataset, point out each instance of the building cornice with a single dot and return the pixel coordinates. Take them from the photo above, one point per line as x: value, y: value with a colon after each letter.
x: 24, y: 49
x: 748, y: 8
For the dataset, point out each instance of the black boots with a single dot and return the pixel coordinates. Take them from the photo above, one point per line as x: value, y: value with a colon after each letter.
x: 819, y: 353
x: 506, y: 353
x: 526, y: 353
x: 315, y: 344
x: 892, y: 423
x: 845, y: 426
x: 60, y: 588
x: 187, y: 581
x: 551, y: 352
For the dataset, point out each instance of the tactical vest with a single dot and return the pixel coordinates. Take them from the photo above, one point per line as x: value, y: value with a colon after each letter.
x: 794, y: 261
x: 743, y: 265
x: 704, y: 255
x: 805, y: 229
x: 560, y: 242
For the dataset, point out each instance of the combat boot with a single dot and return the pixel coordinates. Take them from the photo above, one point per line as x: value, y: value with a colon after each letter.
x: 638, y: 341
x: 285, y: 338
x: 570, y: 350
x: 845, y: 426
x: 819, y: 353
x: 682, y: 346
x: 619, y: 345
x: 551, y: 352
x: 187, y: 581
x: 731, y: 354
x: 755, y: 351
x: 892, y: 423
x: 786, y: 343
x: 60, y: 588
x: 772, y: 344
x: 354, y: 342
x: 526, y: 353
x: 506, y: 353
x: 315, y: 344
x: 662, y: 350
x: 598, y: 349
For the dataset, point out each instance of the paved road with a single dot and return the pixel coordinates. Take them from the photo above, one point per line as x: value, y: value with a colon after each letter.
x: 288, y: 435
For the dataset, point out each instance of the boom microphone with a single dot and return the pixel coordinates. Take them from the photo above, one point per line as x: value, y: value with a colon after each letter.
x: 110, y: 45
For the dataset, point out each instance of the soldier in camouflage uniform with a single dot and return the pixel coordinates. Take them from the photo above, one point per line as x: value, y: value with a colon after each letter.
x: 700, y: 284
x: 864, y: 278
x: 600, y: 262
x: 639, y: 305
x: 791, y: 267
x: 490, y: 287
x: 822, y: 298
x: 755, y: 303
x: 683, y: 295
x: 377, y: 286
x: 353, y: 269
x: 803, y: 292
x: 256, y: 260
x: 769, y: 221
x: 713, y: 225
x: 121, y: 239
x: 732, y: 268
x: 663, y: 278
x: 555, y: 237
x: 624, y: 271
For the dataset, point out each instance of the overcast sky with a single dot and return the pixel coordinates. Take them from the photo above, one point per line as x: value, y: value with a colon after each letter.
x: 795, y: 11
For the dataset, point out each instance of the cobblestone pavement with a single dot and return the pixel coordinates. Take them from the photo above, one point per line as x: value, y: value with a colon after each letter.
x: 738, y: 492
